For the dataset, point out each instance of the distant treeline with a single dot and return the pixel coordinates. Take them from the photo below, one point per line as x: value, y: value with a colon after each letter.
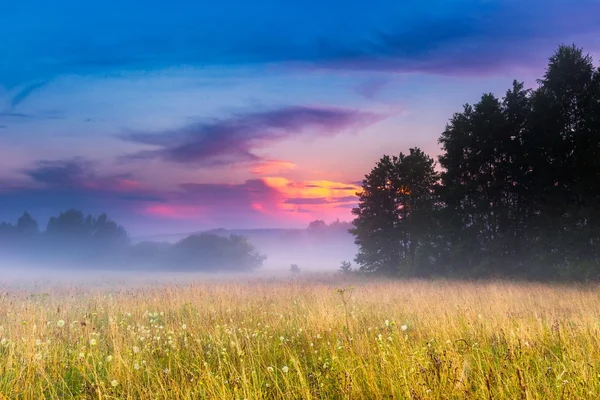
x: 517, y: 194
x: 73, y: 239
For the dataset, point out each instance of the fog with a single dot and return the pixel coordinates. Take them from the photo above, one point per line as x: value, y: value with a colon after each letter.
x: 313, y: 250
x: 96, y: 251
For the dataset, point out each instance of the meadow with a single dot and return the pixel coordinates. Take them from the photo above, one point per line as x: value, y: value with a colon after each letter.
x: 319, y: 337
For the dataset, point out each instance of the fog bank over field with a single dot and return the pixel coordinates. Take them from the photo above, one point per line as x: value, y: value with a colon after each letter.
x: 80, y: 250
x: 319, y: 248
x: 37, y: 278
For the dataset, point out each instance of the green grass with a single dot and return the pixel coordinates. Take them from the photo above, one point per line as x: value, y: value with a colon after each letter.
x: 303, y: 339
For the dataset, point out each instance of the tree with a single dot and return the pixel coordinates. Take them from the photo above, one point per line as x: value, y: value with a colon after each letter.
x: 394, y: 213
x: 70, y: 224
x: 317, y: 226
x: 294, y: 269
x: 521, y: 176
x: 482, y: 181
x: 345, y: 267
x: 519, y: 193
x: 564, y: 149
x: 107, y: 232
x: 27, y: 226
x: 210, y: 252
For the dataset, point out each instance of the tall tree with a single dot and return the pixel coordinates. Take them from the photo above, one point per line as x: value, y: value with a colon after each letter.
x: 394, y: 213
x: 482, y: 181
x: 563, y: 145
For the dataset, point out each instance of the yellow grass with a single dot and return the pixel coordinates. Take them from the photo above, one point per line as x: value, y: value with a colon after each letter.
x: 303, y: 339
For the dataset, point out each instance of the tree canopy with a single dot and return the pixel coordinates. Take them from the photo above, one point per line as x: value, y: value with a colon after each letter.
x: 72, y: 238
x: 518, y: 193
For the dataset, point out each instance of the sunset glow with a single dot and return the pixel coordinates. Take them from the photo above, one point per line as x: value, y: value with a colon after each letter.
x: 258, y: 114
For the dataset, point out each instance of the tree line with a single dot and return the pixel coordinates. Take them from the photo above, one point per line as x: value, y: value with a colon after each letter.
x: 74, y: 239
x: 514, y: 193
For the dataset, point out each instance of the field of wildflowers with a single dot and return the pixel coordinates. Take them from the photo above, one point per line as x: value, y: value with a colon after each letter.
x: 321, y: 338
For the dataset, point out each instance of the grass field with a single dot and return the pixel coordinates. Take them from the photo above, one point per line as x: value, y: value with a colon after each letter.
x: 319, y: 337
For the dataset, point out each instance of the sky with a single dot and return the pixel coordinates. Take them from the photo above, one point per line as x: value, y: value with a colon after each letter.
x: 188, y: 115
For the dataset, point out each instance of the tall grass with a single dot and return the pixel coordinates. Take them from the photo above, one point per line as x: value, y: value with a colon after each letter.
x: 303, y: 339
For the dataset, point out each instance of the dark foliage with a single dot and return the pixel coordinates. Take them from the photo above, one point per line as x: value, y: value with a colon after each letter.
x: 87, y: 241
x: 518, y: 194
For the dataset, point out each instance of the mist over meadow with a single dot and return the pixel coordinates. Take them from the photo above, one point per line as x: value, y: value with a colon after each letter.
x: 76, y: 248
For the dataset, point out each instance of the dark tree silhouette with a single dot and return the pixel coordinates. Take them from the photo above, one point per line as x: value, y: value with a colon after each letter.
x: 519, y: 190
x: 395, y: 213
x: 88, y: 241
x: 27, y: 226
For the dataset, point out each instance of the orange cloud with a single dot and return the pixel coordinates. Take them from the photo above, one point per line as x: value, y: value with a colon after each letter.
x: 269, y: 198
x: 272, y: 167
x: 310, y: 199
x: 312, y: 189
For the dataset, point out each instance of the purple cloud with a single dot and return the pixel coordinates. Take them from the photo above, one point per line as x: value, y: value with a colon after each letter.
x: 320, y: 200
x: 227, y: 195
x: 75, y: 172
x: 232, y: 141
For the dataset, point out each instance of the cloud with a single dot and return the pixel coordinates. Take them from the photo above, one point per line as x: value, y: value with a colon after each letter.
x: 24, y: 93
x: 433, y: 36
x: 60, y: 173
x: 229, y: 195
x: 320, y: 200
x: 233, y: 140
x: 76, y: 173
x: 171, y: 211
x: 53, y: 186
x: 371, y: 88
x: 477, y: 37
x: 272, y: 167
x: 56, y: 185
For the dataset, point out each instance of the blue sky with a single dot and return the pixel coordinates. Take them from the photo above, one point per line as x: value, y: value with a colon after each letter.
x: 190, y: 115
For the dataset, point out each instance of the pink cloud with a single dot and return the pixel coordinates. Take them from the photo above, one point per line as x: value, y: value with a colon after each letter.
x: 171, y: 211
